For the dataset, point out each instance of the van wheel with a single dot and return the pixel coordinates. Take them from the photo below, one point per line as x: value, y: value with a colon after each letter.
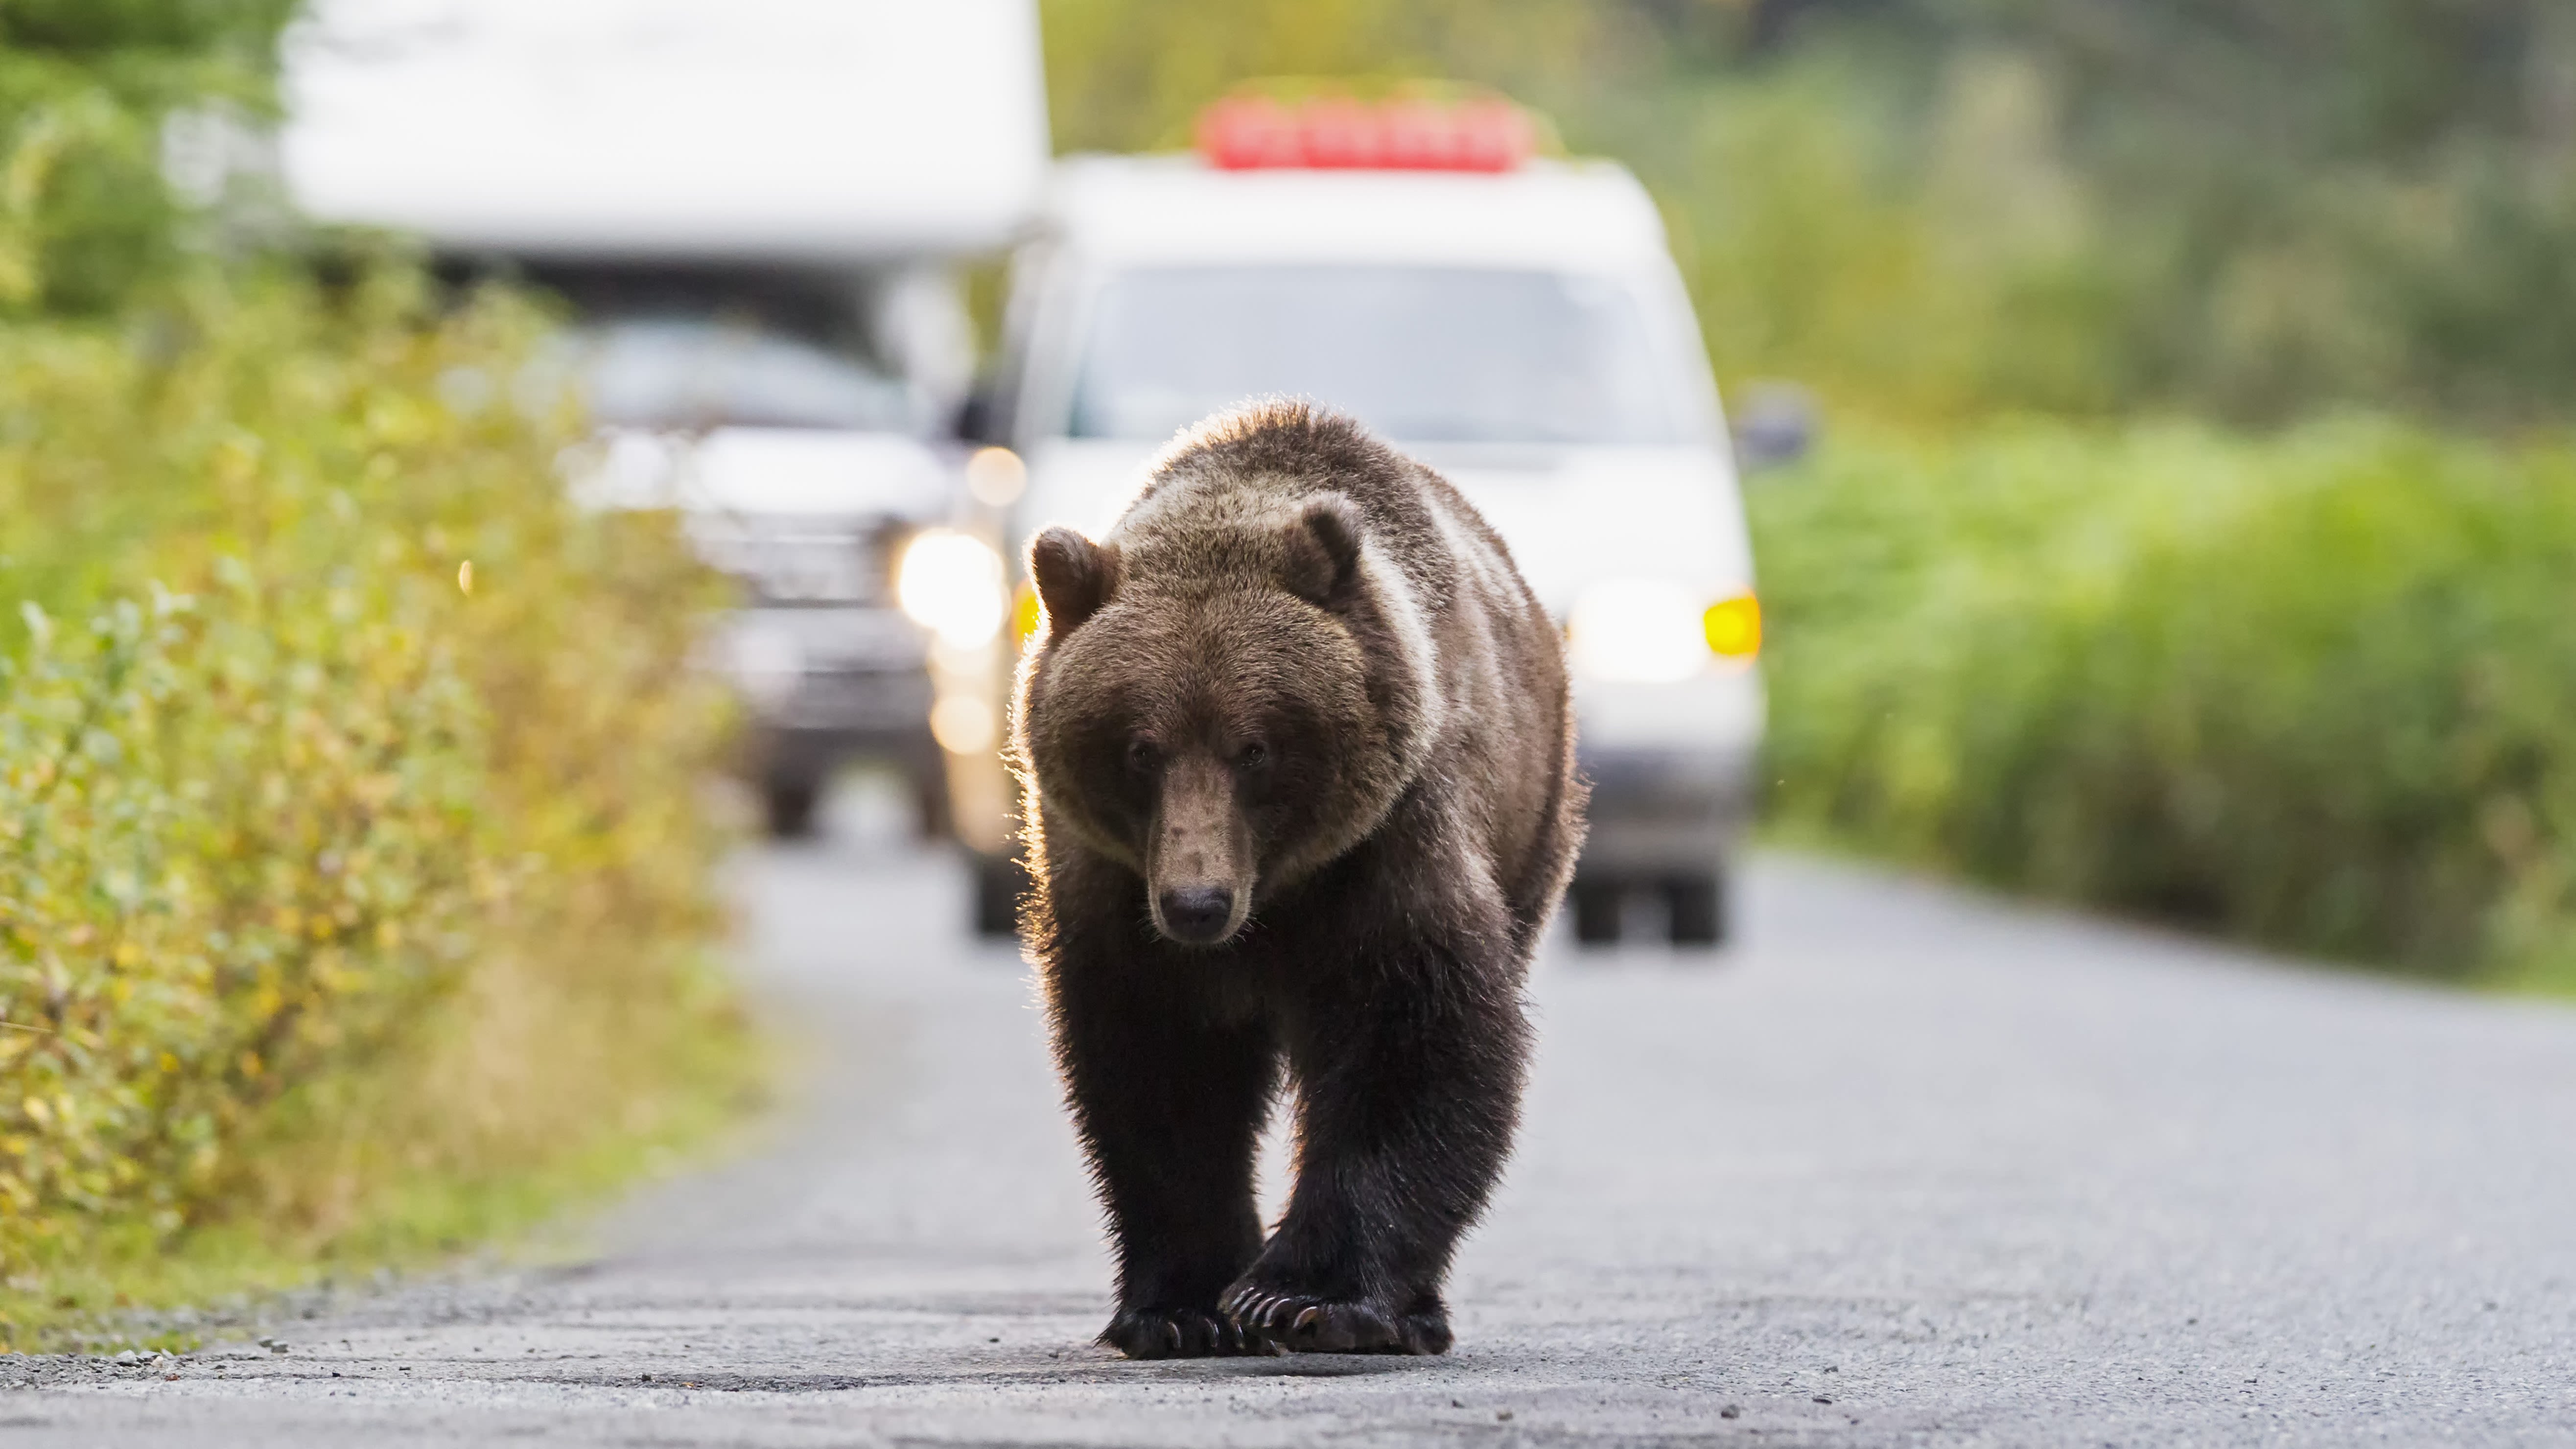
x: 1698, y: 909
x: 1597, y: 904
x: 930, y: 802
x: 1000, y: 882
x: 788, y: 804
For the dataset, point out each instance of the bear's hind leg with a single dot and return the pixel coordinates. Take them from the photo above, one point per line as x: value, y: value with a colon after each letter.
x: 1169, y: 1107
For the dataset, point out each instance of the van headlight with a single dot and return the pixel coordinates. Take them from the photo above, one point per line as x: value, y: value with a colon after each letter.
x: 951, y: 584
x: 1657, y: 631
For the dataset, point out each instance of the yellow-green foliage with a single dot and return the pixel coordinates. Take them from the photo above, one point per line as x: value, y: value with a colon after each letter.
x: 1931, y: 278
x: 2315, y: 690
x: 318, y: 869
x: 87, y: 220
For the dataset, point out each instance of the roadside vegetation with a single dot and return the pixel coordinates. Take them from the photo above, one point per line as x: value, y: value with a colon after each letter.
x: 2317, y: 690
x: 355, y: 875
x: 2195, y: 526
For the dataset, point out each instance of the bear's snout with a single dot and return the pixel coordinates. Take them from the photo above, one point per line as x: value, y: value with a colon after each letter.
x: 1198, y: 915
x: 1198, y: 866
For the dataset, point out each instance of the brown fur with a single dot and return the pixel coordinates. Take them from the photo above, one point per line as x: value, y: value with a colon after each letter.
x: 1300, y: 746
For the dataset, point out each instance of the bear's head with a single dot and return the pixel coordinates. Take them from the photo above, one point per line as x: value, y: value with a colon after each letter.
x: 1205, y: 709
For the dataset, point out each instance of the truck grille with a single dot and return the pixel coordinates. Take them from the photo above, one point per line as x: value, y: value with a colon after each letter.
x: 789, y: 559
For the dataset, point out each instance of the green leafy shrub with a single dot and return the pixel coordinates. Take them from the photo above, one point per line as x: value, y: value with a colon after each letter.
x: 87, y: 219
x: 2318, y: 690
x: 327, y: 863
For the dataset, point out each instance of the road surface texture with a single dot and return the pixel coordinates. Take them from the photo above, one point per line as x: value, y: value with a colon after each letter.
x: 1906, y: 1168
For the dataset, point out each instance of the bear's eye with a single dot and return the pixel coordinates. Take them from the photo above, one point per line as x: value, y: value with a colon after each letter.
x: 1254, y: 756
x: 1142, y: 757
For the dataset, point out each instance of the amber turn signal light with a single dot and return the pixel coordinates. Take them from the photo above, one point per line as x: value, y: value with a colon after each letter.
x: 1734, y: 627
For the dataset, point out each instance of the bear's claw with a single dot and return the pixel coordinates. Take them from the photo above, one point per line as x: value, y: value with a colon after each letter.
x: 1174, y: 1333
x: 1277, y: 1322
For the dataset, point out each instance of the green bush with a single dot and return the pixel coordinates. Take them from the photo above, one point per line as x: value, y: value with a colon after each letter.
x: 87, y: 219
x: 2314, y: 691
x: 327, y: 864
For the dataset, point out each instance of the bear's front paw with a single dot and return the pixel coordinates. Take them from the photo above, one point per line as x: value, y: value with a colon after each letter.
x: 1173, y: 1333
x: 1277, y: 1320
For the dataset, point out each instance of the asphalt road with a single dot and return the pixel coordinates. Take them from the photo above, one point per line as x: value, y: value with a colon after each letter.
x: 1905, y: 1168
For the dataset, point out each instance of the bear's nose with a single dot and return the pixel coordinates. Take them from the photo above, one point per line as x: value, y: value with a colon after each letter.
x: 1197, y: 914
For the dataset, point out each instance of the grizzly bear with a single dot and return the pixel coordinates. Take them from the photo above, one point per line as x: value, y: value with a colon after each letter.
x: 1303, y: 798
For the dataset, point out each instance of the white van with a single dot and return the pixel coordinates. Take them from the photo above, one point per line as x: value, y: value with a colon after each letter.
x: 1524, y: 332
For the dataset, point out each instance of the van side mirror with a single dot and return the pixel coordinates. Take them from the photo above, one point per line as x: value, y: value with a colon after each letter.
x: 1776, y: 426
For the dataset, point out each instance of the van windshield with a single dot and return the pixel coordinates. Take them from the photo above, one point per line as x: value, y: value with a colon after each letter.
x: 683, y: 372
x: 1421, y: 354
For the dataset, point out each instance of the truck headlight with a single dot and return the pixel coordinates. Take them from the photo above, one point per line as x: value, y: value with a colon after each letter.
x: 1657, y: 631
x: 764, y: 659
x: 951, y: 584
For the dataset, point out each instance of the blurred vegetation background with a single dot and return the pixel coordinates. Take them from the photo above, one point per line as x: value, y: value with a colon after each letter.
x: 88, y: 218
x: 355, y: 877
x: 2317, y: 690
x: 1930, y: 209
x: 2193, y: 532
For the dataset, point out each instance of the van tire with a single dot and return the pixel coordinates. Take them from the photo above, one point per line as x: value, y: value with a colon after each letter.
x: 1696, y: 906
x: 1597, y: 904
x: 788, y: 806
x: 1000, y: 883
x: 932, y: 820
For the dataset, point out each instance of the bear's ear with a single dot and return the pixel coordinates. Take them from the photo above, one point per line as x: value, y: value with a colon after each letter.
x: 1324, y: 552
x: 1074, y: 577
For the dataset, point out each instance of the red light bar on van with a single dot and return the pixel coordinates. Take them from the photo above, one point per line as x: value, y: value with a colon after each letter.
x: 1337, y: 133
